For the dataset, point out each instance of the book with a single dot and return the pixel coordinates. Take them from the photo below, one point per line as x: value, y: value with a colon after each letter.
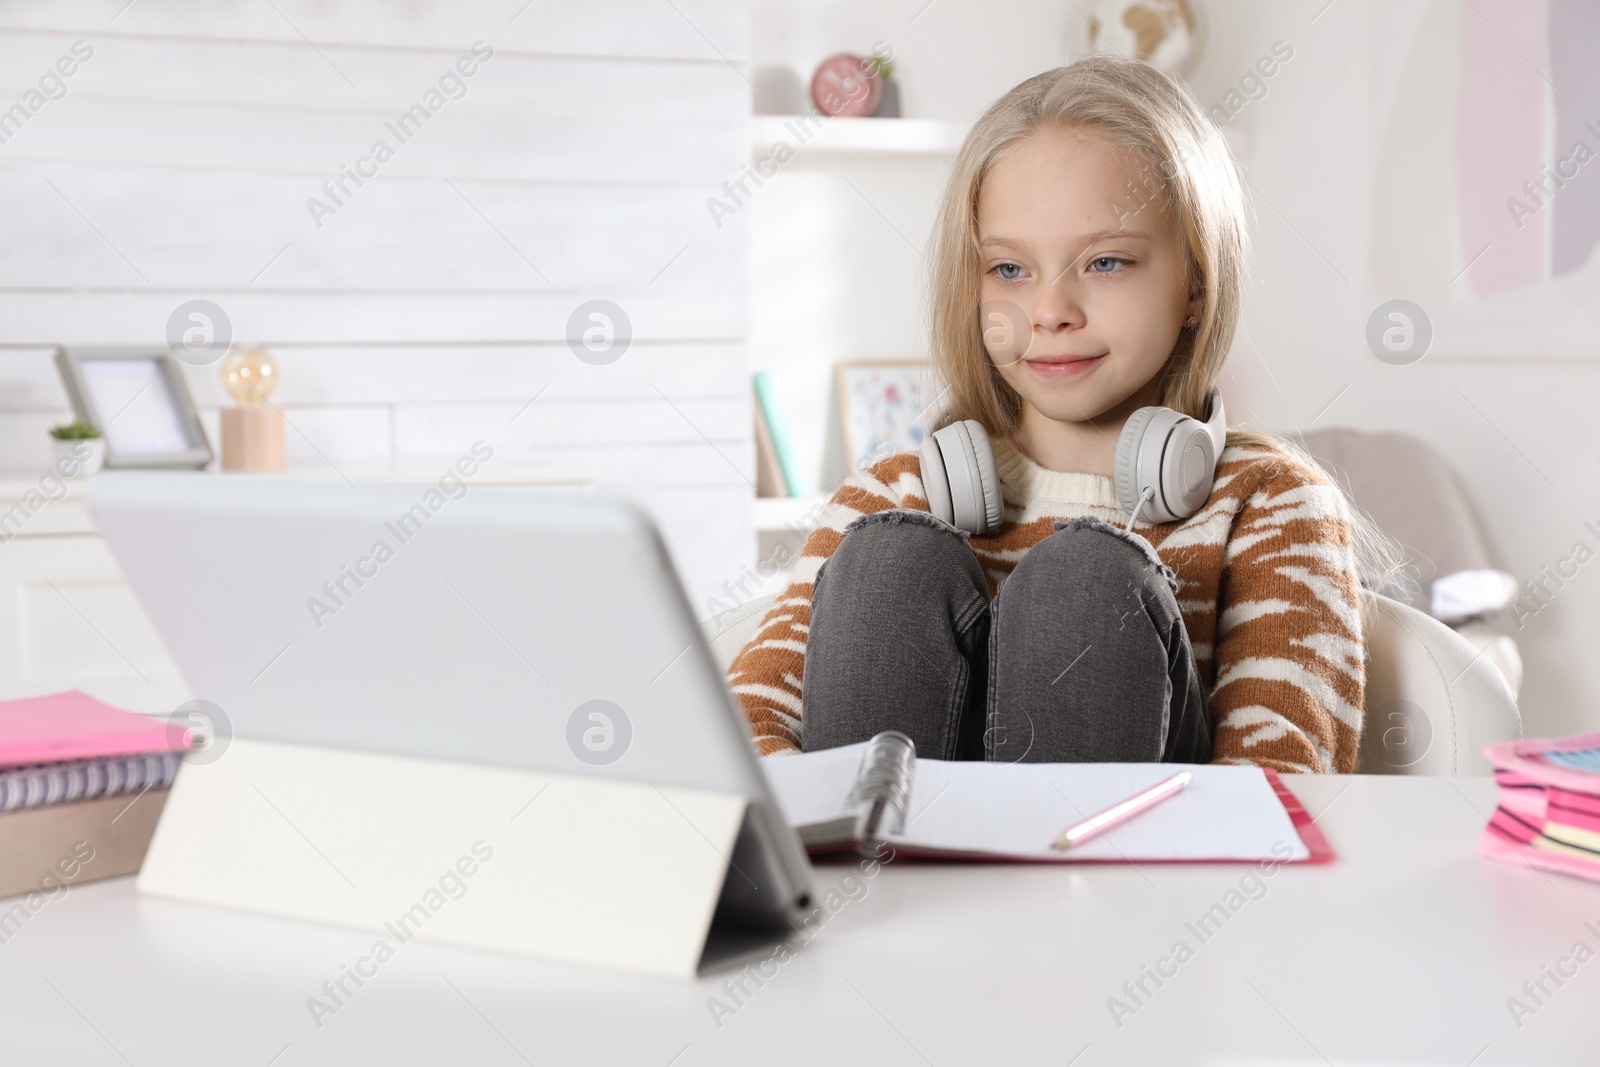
x: 76, y: 726
x: 769, y: 472
x: 1013, y: 812
x: 45, y: 850
x: 82, y: 785
x: 1548, y: 814
x: 766, y: 401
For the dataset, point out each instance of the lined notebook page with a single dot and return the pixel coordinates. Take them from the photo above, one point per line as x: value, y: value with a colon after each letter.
x: 812, y: 786
x: 1016, y: 810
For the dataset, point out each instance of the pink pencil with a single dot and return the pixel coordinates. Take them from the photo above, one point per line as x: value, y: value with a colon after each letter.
x: 1094, y: 825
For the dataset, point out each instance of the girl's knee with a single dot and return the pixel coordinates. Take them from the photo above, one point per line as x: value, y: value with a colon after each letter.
x: 901, y: 533
x: 904, y: 541
x: 1093, y: 546
x: 1090, y: 558
x: 895, y: 520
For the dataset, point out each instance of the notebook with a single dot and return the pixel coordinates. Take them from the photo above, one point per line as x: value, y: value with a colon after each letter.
x: 76, y: 726
x: 1012, y: 812
x: 63, y: 783
x: 1548, y: 814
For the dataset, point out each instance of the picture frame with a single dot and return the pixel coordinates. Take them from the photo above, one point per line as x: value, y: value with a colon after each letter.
x: 137, y: 399
x: 884, y: 406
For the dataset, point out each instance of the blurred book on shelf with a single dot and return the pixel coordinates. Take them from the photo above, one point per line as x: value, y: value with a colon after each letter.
x: 769, y: 472
x: 775, y: 468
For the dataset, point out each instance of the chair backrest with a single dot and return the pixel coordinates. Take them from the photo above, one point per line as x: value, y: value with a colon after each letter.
x: 1411, y: 493
x: 1432, y: 699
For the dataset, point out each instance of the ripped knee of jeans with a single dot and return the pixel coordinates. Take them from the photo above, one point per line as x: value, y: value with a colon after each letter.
x: 909, y: 516
x: 1129, y: 537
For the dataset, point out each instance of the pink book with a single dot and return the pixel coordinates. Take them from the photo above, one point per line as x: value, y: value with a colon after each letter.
x: 75, y: 726
x: 1549, y: 810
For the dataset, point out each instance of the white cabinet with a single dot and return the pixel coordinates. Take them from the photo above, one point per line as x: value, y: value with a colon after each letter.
x: 68, y: 620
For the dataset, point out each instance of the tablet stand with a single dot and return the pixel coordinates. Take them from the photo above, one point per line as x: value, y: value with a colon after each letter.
x: 566, y: 868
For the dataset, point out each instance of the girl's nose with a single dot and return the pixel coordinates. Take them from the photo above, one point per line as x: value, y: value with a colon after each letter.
x: 1057, y: 308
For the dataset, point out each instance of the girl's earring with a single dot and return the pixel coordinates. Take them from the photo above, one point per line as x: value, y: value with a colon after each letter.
x: 1191, y: 321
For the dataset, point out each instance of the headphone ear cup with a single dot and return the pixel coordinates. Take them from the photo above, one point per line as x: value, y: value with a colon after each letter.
x: 1187, y: 468
x: 960, y: 477
x: 1147, y: 460
x: 961, y: 467
x: 1125, y: 466
x: 993, y: 509
x: 935, y: 484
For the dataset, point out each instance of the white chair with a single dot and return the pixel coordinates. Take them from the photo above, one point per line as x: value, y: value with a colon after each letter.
x: 1433, y: 699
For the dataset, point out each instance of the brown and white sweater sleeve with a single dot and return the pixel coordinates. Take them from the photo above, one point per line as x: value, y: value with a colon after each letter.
x: 1291, y: 671
x: 766, y: 675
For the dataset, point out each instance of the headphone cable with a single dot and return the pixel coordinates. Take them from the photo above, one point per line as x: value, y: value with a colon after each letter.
x: 1149, y: 492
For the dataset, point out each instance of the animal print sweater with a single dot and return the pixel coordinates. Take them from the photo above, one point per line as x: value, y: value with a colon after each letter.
x: 1267, y: 581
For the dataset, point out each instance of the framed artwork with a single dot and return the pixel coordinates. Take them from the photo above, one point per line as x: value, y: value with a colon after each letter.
x: 883, y: 407
x: 136, y: 398
x: 1485, y: 209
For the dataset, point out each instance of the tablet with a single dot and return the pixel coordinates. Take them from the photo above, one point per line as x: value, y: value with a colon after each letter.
x: 519, y: 627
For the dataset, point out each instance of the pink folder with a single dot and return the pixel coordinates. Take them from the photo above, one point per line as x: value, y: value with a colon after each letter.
x: 74, y: 725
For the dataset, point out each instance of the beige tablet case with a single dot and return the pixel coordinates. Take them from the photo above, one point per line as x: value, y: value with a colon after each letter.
x: 567, y: 868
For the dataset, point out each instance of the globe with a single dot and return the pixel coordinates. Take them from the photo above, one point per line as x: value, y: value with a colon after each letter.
x: 1162, y: 33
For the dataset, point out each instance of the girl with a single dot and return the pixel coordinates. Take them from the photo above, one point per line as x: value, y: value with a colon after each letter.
x: 1088, y: 261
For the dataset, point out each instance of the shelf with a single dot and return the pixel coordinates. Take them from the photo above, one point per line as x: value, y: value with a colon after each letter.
x: 860, y: 136
x: 905, y: 137
x: 774, y: 514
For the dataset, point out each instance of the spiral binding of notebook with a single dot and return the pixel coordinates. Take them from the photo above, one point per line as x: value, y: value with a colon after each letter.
x: 882, y: 787
x: 884, y: 782
x: 45, y: 784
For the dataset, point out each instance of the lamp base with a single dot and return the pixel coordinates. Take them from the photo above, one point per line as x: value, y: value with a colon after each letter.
x: 252, y: 440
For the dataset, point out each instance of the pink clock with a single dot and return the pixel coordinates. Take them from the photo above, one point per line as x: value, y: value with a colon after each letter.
x: 846, y: 85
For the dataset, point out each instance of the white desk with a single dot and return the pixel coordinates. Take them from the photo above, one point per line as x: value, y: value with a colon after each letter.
x: 1404, y: 951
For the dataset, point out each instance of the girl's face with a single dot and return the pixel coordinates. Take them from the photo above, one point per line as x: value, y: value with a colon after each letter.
x: 1085, y: 281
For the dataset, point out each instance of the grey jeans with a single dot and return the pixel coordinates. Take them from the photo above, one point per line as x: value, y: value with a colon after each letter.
x: 1081, y: 656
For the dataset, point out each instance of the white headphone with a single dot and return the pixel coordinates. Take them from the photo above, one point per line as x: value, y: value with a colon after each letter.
x: 1165, y: 463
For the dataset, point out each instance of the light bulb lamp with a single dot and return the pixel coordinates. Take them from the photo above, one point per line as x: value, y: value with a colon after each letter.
x: 252, y: 433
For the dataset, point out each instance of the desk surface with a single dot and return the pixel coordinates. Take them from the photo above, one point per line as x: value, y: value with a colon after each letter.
x: 1404, y: 951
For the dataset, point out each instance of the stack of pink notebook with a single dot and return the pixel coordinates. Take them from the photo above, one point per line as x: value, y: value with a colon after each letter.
x: 81, y: 786
x: 1549, y: 811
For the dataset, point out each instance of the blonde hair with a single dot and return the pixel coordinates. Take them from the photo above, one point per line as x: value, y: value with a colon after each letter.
x: 1187, y: 170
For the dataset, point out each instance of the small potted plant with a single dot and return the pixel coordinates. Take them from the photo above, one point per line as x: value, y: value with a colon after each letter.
x: 79, y: 442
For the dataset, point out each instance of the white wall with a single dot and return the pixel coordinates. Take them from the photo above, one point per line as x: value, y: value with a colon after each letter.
x: 1505, y: 423
x: 835, y: 271
x: 420, y: 316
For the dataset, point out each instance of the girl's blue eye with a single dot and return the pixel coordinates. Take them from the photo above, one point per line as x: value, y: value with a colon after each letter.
x: 1114, y: 263
x: 1009, y: 271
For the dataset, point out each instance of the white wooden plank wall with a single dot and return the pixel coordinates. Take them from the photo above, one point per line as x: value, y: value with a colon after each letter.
x: 431, y: 307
